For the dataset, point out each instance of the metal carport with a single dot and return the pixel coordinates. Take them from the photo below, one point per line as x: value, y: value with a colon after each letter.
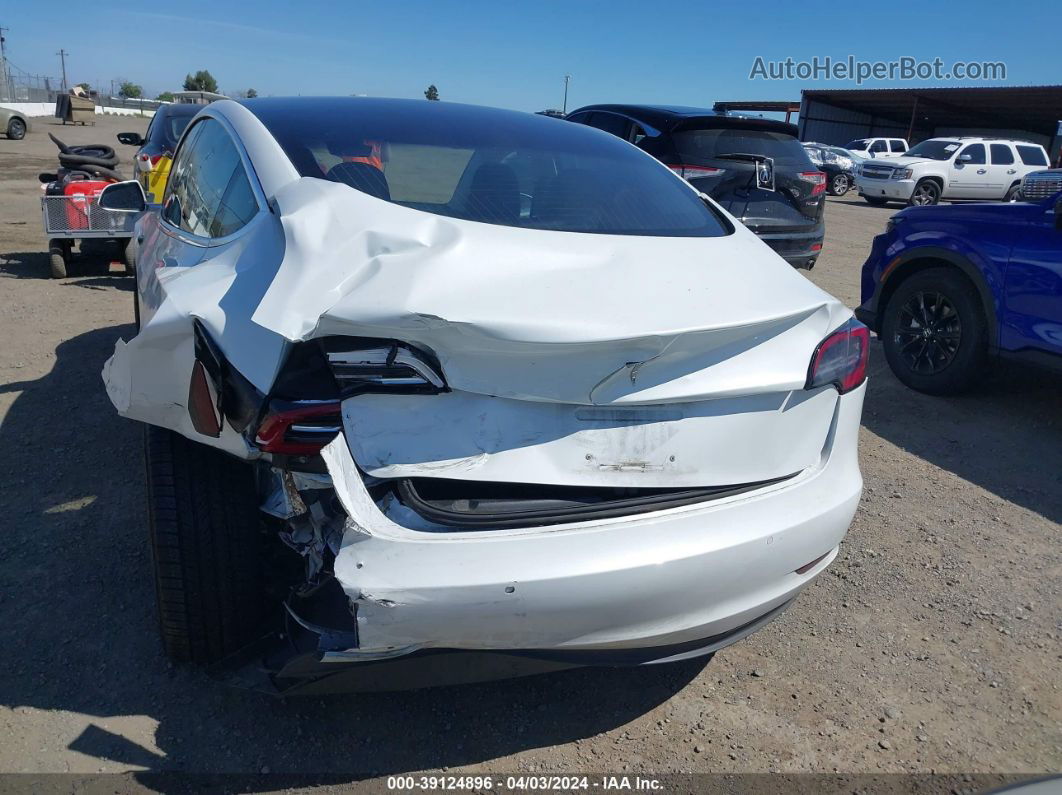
x: 837, y: 116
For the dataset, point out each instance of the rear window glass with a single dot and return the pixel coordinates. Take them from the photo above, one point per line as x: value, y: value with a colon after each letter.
x: 695, y: 146
x: 169, y: 128
x: 1001, y: 155
x: 487, y: 165
x: 858, y: 143
x: 1032, y: 155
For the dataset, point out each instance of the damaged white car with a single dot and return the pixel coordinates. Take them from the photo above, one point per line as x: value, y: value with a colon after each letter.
x: 517, y: 395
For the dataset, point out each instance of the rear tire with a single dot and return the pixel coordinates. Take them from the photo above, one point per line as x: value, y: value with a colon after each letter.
x: 58, y: 256
x: 129, y: 256
x: 839, y: 185
x: 947, y: 354
x: 207, y: 547
x: 1013, y: 194
x: 16, y: 129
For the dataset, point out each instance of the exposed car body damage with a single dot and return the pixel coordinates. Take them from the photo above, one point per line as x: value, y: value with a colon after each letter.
x: 542, y: 442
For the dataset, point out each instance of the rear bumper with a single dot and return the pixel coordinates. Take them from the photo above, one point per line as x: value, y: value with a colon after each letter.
x: 799, y: 249
x: 673, y: 577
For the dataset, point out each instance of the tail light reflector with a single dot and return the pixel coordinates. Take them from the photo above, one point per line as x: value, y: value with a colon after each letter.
x: 203, y: 402
x: 841, y: 358
x: 817, y: 180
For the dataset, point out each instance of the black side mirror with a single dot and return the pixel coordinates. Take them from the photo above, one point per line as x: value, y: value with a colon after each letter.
x: 123, y: 197
x: 131, y: 139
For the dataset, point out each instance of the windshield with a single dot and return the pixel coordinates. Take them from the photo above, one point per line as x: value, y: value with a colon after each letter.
x: 933, y: 150
x: 696, y: 146
x: 487, y: 165
x: 858, y: 143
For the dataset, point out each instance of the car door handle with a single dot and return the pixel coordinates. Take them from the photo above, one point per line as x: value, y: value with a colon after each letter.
x: 1012, y: 171
x: 982, y: 171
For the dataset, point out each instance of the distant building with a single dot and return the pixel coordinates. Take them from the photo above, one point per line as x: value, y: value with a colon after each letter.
x: 197, y: 97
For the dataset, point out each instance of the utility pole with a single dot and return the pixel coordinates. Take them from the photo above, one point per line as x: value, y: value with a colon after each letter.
x: 62, y: 58
x: 5, y: 86
x: 565, y: 109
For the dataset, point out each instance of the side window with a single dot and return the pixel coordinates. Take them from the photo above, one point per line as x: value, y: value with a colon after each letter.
x: 976, y: 153
x: 610, y: 122
x: 637, y: 134
x: 1032, y: 155
x: 579, y: 118
x: 897, y: 145
x: 1001, y: 155
x: 210, y: 193
x: 878, y: 146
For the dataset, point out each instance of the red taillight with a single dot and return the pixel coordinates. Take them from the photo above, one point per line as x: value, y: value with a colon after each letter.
x: 841, y: 358
x: 816, y: 246
x: 817, y: 180
x: 694, y: 172
x: 302, y: 430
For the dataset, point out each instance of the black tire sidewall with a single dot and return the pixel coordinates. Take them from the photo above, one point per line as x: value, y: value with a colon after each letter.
x: 969, y: 360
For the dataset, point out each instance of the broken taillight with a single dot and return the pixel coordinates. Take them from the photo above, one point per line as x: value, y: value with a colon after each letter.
x: 299, y: 428
x: 841, y: 358
x: 394, y: 368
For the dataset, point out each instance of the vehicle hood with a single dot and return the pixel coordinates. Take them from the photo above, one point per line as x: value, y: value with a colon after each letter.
x: 898, y: 162
x: 544, y: 315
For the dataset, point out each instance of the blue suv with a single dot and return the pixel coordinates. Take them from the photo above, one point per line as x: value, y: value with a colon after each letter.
x: 946, y: 287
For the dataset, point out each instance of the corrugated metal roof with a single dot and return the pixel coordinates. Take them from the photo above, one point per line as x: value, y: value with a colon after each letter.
x: 1036, y: 108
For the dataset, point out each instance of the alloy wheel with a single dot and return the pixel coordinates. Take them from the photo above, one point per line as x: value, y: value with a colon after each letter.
x: 928, y: 333
x: 840, y: 185
x: 925, y: 194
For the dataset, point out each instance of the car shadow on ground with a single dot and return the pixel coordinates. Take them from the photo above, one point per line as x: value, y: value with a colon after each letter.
x: 93, y: 260
x: 1005, y: 435
x: 79, y: 603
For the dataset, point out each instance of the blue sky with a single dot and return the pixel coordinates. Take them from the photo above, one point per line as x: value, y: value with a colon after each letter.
x: 515, y: 54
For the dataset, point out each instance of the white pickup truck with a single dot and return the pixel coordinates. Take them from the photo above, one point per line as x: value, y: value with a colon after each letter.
x: 873, y: 148
x: 984, y: 169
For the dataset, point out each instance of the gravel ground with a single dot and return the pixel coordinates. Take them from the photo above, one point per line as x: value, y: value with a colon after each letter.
x: 931, y: 644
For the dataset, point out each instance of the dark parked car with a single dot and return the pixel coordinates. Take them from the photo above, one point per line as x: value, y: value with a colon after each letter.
x: 155, y: 156
x: 755, y: 168
x: 946, y: 287
x: 838, y: 164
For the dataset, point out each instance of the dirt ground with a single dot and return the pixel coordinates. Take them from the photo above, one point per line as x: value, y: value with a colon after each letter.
x: 931, y: 644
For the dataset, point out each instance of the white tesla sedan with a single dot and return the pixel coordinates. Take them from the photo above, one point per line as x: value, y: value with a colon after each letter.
x: 509, y: 386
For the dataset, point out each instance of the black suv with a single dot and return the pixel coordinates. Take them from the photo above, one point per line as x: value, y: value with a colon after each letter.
x: 755, y: 168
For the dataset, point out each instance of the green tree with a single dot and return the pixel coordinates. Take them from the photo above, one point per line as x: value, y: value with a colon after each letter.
x: 431, y: 92
x: 165, y: 96
x: 130, y: 90
x: 251, y: 93
x: 201, y: 81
